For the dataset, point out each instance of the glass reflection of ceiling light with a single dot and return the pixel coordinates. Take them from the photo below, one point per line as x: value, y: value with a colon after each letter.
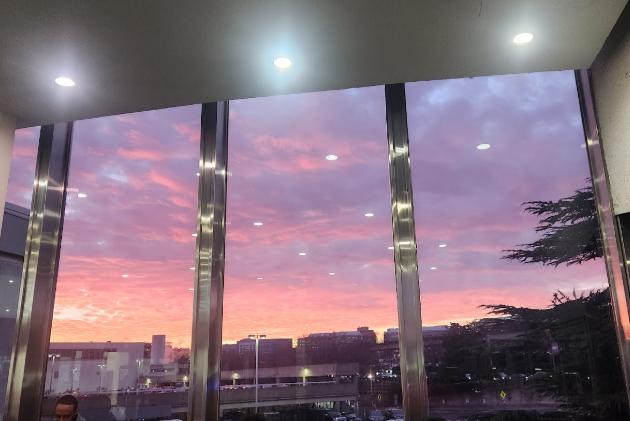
x: 191, y: 289
x: 332, y: 157
x: 331, y: 273
x: 369, y: 215
x: 197, y: 174
x: 125, y: 276
x: 64, y: 81
x: 433, y: 268
x: 7, y: 309
x: 258, y: 224
x: 302, y: 254
x: 442, y: 245
x: 10, y: 281
x: 390, y: 248
x: 192, y: 268
x: 194, y: 235
x: 82, y: 195
x: 282, y: 63
x: 523, y: 38
x: 260, y: 278
x: 483, y: 146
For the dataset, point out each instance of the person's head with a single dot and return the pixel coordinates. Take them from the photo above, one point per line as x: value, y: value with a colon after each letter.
x: 66, y: 409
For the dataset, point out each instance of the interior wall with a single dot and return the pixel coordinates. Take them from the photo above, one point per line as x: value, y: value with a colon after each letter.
x: 611, y: 86
x: 7, y: 134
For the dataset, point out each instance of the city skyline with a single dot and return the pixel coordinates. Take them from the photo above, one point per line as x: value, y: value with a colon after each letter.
x: 139, y: 174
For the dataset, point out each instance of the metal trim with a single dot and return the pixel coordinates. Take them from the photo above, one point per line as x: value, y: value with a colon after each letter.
x: 414, y: 382
x: 27, y: 373
x: 619, y: 291
x: 203, y: 400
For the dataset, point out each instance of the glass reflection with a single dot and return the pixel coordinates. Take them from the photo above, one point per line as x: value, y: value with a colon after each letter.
x: 519, y: 304
x: 120, y: 339
x: 310, y: 303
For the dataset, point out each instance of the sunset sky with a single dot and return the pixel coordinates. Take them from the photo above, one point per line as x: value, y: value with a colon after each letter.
x: 139, y: 174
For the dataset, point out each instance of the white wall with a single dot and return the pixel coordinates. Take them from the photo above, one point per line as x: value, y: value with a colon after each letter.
x: 611, y: 86
x: 7, y: 134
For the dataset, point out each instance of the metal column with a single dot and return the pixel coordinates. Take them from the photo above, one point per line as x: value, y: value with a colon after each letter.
x: 203, y: 401
x: 414, y: 381
x: 619, y: 291
x: 27, y: 373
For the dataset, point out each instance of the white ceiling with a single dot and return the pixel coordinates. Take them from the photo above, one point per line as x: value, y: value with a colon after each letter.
x: 137, y: 55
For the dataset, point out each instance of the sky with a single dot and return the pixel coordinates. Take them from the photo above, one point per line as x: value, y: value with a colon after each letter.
x: 139, y: 174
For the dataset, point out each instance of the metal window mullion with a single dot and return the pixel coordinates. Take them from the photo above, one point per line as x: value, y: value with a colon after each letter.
x: 619, y: 289
x: 414, y: 382
x: 203, y: 400
x: 27, y: 373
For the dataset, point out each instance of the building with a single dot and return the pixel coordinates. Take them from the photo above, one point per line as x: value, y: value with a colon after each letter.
x: 266, y: 346
x: 72, y: 365
x: 391, y: 335
x: 314, y: 341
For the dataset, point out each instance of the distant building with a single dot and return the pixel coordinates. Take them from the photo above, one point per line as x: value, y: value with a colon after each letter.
x: 314, y: 341
x: 265, y: 346
x: 391, y: 335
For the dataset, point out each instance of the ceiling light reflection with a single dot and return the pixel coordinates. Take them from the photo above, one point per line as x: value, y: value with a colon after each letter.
x: 369, y: 214
x: 258, y: 223
x: 390, y: 248
x: 82, y: 195
x: 331, y: 273
x: 260, y: 278
x: 302, y: 254
x: 433, y: 268
x: 442, y: 245
x: 332, y: 157
x: 194, y: 235
x: 125, y: 276
x: 483, y: 146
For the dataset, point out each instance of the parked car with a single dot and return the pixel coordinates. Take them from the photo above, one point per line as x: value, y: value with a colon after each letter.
x: 332, y: 416
x: 376, y: 415
x: 395, y: 414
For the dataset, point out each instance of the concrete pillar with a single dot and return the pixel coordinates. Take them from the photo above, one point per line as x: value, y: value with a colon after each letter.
x: 7, y: 135
x: 610, y: 75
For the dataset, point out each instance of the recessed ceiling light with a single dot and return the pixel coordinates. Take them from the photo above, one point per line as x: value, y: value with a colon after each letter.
x: 282, y: 63
x: 483, y: 146
x: 433, y: 268
x: 258, y: 224
x: 194, y: 235
x: 390, y: 248
x: 331, y: 273
x: 82, y: 195
x: 369, y: 215
x: 442, y: 245
x: 64, y: 81
x: 260, y: 278
x: 332, y: 157
x: 302, y: 254
x: 523, y: 38
x: 125, y: 276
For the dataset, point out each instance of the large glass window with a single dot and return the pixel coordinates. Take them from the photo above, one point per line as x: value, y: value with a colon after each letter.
x: 122, y: 321
x: 309, y: 281
x: 515, y: 296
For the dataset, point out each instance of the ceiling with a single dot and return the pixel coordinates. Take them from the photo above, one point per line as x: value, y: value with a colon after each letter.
x: 128, y: 56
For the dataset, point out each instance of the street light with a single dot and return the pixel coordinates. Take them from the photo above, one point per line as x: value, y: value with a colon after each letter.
x: 101, y: 367
x: 52, y: 369
x: 257, y: 337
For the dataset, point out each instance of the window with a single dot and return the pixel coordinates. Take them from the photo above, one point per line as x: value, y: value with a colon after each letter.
x: 515, y: 298
x: 125, y: 277
x: 309, y: 271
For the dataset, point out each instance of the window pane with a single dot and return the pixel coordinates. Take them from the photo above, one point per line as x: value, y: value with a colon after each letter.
x: 123, y: 309
x: 308, y: 262
x: 514, y: 286
x: 13, y: 242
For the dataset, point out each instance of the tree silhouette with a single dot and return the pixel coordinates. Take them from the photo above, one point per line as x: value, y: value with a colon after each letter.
x: 570, y: 231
